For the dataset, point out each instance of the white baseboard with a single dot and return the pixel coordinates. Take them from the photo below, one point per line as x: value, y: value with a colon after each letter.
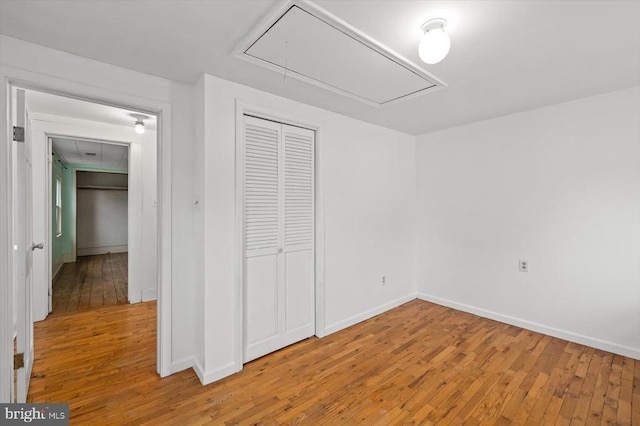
x: 539, y: 328
x: 341, y: 325
x: 57, y: 271
x: 148, y: 294
x: 207, y: 377
x: 92, y: 251
x: 181, y: 365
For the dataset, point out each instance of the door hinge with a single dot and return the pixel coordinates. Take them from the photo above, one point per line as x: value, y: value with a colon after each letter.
x: 18, y: 134
x: 18, y: 361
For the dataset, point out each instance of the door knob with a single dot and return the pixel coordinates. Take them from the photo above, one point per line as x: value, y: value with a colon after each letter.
x: 37, y: 246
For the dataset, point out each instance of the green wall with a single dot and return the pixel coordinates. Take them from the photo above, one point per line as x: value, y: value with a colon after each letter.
x: 56, y: 241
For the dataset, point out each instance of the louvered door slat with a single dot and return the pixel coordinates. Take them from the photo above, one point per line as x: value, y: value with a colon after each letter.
x: 261, y: 199
x: 298, y: 183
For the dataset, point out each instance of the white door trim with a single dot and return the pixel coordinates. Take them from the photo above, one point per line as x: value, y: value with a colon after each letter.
x: 248, y: 108
x: 6, y: 250
x: 13, y: 76
x: 63, y: 130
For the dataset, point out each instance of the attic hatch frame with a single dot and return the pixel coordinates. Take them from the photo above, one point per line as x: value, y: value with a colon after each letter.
x: 328, y: 18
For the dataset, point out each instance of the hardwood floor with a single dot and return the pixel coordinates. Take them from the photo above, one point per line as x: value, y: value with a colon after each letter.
x: 91, y: 282
x: 417, y: 364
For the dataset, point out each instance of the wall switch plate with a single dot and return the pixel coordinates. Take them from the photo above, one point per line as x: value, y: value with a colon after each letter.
x: 523, y: 265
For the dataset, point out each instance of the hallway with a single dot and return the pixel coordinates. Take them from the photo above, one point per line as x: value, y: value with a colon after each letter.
x: 90, y: 283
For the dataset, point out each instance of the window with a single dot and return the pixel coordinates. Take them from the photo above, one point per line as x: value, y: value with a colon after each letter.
x: 58, y: 209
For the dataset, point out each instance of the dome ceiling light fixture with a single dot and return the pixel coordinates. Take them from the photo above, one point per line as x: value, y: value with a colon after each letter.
x: 435, y: 43
x: 139, y: 125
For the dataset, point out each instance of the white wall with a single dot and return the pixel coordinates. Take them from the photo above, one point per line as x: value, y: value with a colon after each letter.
x: 367, y: 179
x: 558, y: 186
x: 198, y: 222
x: 150, y: 229
x: 57, y: 249
x: 68, y: 73
x: 143, y: 217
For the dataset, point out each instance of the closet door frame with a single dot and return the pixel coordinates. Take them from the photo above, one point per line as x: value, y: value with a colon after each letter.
x: 245, y: 108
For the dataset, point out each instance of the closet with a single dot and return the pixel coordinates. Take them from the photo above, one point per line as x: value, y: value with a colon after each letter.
x: 278, y: 235
x: 102, y: 213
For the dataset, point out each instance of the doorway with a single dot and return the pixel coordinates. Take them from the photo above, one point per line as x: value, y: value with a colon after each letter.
x: 48, y: 120
x: 91, y: 137
x: 99, y: 276
x: 89, y: 216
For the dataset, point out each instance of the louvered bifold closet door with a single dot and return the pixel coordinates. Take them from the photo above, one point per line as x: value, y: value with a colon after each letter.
x: 299, y: 218
x: 278, y: 203
x: 262, y: 236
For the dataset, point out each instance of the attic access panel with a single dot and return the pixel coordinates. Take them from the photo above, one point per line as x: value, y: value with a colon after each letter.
x: 312, y: 45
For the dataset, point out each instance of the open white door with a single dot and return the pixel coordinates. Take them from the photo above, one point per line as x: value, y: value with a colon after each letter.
x: 23, y: 255
x: 53, y: 197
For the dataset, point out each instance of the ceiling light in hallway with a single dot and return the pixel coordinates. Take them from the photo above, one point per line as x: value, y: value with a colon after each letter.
x: 139, y: 126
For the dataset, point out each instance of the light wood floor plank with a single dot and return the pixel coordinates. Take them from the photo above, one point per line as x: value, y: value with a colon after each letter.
x: 417, y: 364
x: 596, y: 406
x: 89, y: 283
x: 635, y: 399
x: 626, y: 391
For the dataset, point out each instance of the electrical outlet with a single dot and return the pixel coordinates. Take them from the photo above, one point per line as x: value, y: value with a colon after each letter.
x: 384, y: 280
x: 523, y: 265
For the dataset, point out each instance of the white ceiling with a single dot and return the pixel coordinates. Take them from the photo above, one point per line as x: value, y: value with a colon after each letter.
x: 79, y: 152
x: 506, y: 56
x: 88, y: 153
x: 68, y: 107
x: 316, y: 48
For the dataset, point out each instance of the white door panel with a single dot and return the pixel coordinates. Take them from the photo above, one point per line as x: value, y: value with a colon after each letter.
x: 298, y: 293
x: 23, y: 259
x: 39, y: 195
x: 298, y: 186
x: 299, y: 217
x: 261, y: 187
x: 261, y: 306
